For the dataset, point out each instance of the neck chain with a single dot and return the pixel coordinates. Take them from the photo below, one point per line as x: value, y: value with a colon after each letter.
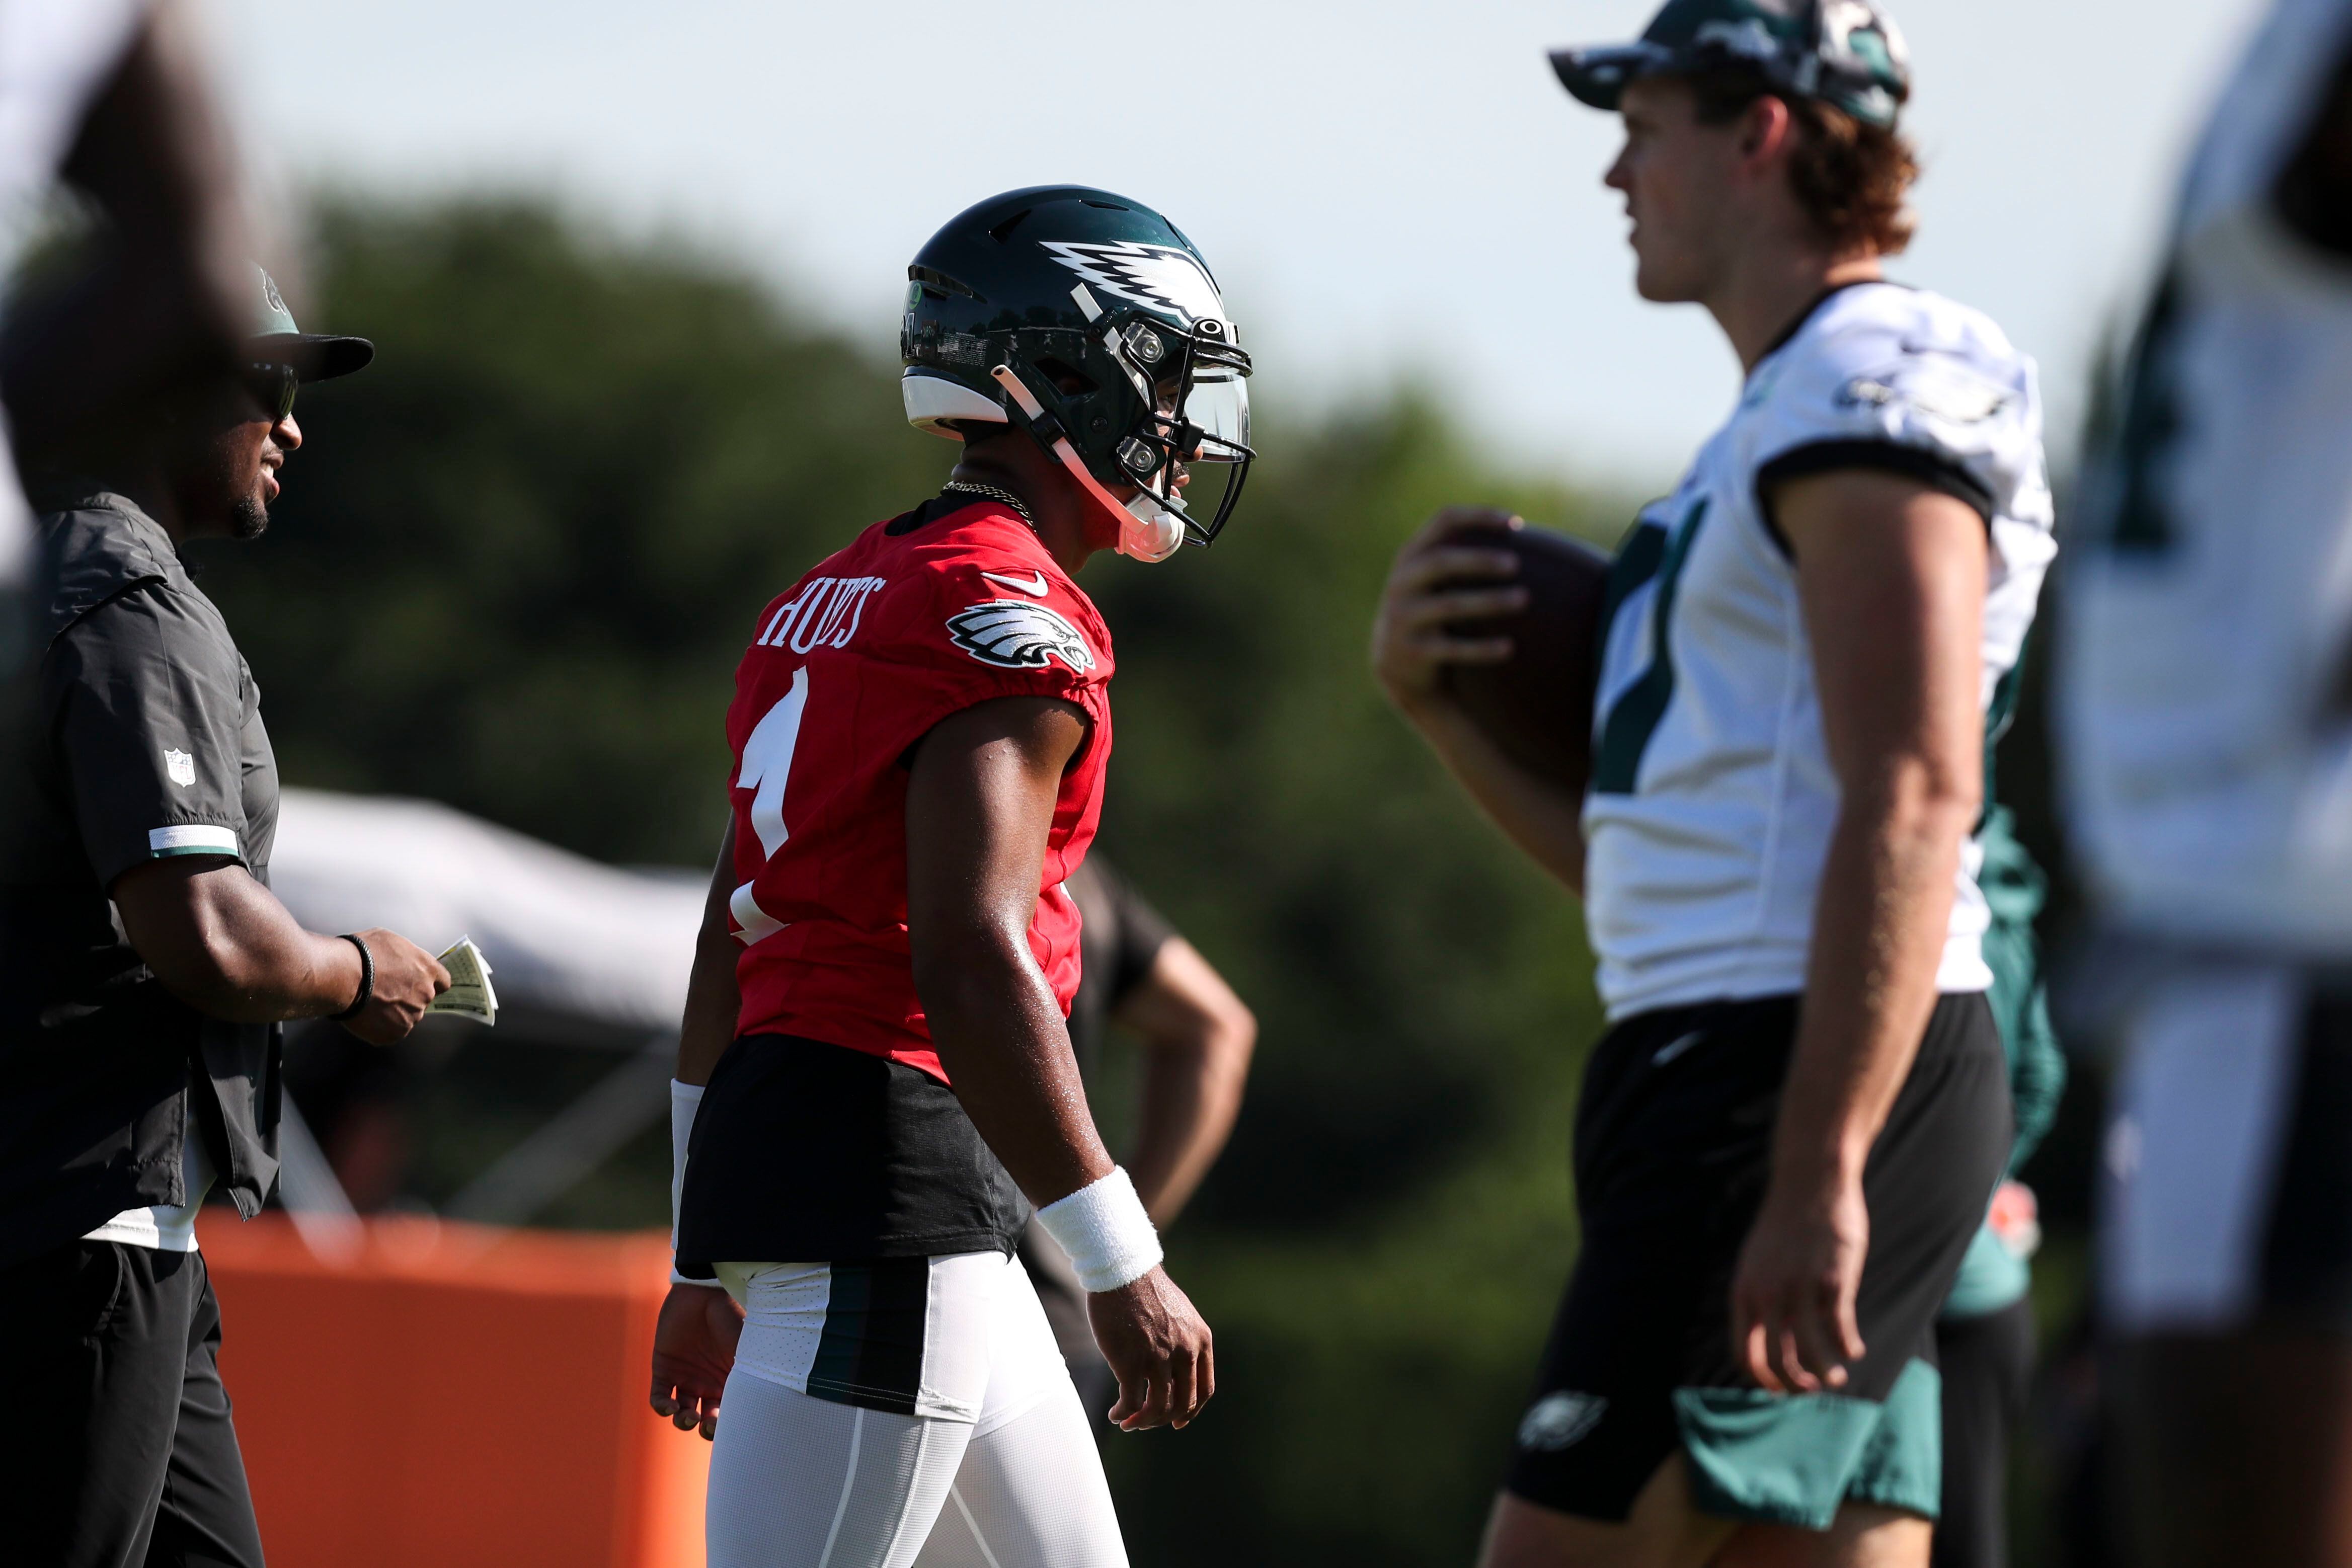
x: 992, y: 493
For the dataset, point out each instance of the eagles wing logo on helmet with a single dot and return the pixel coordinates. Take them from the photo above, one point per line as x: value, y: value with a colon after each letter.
x: 1015, y: 635
x: 1161, y: 276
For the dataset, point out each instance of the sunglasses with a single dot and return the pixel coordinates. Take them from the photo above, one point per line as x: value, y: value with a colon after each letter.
x: 272, y: 386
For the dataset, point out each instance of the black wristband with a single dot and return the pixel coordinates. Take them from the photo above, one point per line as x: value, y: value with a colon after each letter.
x: 367, y: 981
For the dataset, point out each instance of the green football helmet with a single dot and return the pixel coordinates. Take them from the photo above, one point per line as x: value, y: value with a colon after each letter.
x: 1091, y: 322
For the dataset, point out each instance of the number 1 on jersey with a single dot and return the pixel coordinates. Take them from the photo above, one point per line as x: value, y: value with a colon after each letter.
x: 1633, y: 718
x: 767, y: 764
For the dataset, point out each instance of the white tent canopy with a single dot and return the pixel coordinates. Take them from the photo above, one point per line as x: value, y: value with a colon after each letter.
x: 568, y: 940
x: 581, y: 953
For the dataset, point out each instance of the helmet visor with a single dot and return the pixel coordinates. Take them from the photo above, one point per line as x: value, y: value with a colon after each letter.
x: 1218, y: 407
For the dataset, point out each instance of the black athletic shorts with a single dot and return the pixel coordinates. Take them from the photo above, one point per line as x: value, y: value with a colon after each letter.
x: 811, y: 1152
x: 1674, y: 1136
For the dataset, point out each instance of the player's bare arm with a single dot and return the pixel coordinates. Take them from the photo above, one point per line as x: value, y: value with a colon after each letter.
x: 222, y: 942
x: 1892, y: 577
x: 712, y: 997
x: 1437, y: 582
x: 980, y: 804
x: 1198, y: 1038
x: 695, y: 1337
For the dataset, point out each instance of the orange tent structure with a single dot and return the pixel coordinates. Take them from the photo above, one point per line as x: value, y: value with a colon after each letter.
x: 462, y: 1396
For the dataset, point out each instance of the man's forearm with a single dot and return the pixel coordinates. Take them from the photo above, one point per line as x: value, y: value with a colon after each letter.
x: 1544, y: 820
x: 1190, y: 1097
x: 271, y: 977
x: 1001, y: 1036
x: 713, y: 1003
x: 222, y: 943
x: 1884, y: 911
x: 714, y: 997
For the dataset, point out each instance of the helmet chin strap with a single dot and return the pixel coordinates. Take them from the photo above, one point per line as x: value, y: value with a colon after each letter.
x: 1147, y: 530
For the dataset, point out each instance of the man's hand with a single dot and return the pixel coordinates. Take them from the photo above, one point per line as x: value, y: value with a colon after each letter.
x: 694, y: 1349
x: 1792, y: 1300
x: 1159, y: 1348
x: 407, y: 978
x: 1410, y: 648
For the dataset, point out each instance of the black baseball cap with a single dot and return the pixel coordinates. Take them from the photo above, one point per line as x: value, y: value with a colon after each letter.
x: 276, y: 340
x: 1847, y: 53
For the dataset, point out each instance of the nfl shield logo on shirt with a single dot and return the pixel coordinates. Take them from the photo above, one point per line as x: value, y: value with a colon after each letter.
x: 180, y: 767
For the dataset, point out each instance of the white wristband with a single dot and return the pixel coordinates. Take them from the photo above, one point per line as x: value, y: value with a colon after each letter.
x: 1102, y: 1226
x: 685, y: 1099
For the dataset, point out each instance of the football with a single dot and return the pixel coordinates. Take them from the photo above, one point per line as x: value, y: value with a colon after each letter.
x: 1537, y: 706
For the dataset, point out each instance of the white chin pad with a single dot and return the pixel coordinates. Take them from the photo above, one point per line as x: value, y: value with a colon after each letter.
x: 1150, y: 531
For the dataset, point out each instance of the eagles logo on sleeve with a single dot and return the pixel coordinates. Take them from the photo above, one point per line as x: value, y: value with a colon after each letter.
x: 1017, y: 634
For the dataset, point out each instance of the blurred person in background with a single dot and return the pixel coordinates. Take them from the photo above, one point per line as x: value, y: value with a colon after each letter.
x: 1985, y: 1335
x: 2205, y: 721
x: 140, y: 1064
x: 355, y: 1100
x: 875, y: 1066
x: 1803, y: 653
x: 108, y: 97
x: 1196, y: 1038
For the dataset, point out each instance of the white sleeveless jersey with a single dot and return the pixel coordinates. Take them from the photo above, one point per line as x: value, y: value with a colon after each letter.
x: 2205, y: 730
x: 1712, y: 800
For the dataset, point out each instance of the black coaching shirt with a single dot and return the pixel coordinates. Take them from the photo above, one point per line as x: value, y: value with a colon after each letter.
x: 1118, y: 944
x: 145, y: 743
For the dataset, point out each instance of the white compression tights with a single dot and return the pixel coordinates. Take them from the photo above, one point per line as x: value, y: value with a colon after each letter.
x: 801, y: 1482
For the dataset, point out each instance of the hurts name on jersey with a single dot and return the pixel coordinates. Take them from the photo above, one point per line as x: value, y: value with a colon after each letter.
x: 826, y: 612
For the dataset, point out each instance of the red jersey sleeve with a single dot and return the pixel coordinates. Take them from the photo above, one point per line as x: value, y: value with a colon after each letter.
x: 999, y: 621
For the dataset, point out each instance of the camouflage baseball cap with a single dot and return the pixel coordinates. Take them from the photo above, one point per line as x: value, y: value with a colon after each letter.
x: 1847, y: 53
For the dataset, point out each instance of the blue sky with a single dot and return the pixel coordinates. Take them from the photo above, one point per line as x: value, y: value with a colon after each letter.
x: 1385, y: 188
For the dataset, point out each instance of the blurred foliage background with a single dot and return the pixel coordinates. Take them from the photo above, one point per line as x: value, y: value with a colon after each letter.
x: 513, y: 568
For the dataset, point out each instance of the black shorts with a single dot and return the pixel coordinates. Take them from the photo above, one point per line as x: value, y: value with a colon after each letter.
x: 808, y: 1153
x: 1674, y: 1136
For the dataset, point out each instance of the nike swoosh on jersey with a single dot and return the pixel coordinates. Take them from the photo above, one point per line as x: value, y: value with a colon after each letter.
x: 1035, y: 589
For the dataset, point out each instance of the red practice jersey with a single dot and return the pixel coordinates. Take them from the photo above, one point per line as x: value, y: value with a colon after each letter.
x: 846, y: 672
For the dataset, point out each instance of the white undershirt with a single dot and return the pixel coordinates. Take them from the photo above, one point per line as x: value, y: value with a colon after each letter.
x: 166, y: 1228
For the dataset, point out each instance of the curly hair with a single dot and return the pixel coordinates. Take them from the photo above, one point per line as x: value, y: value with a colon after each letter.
x: 1851, y: 178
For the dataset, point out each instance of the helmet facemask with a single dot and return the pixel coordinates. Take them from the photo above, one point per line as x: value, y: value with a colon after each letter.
x: 1196, y: 383
x: 1149, y: 398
